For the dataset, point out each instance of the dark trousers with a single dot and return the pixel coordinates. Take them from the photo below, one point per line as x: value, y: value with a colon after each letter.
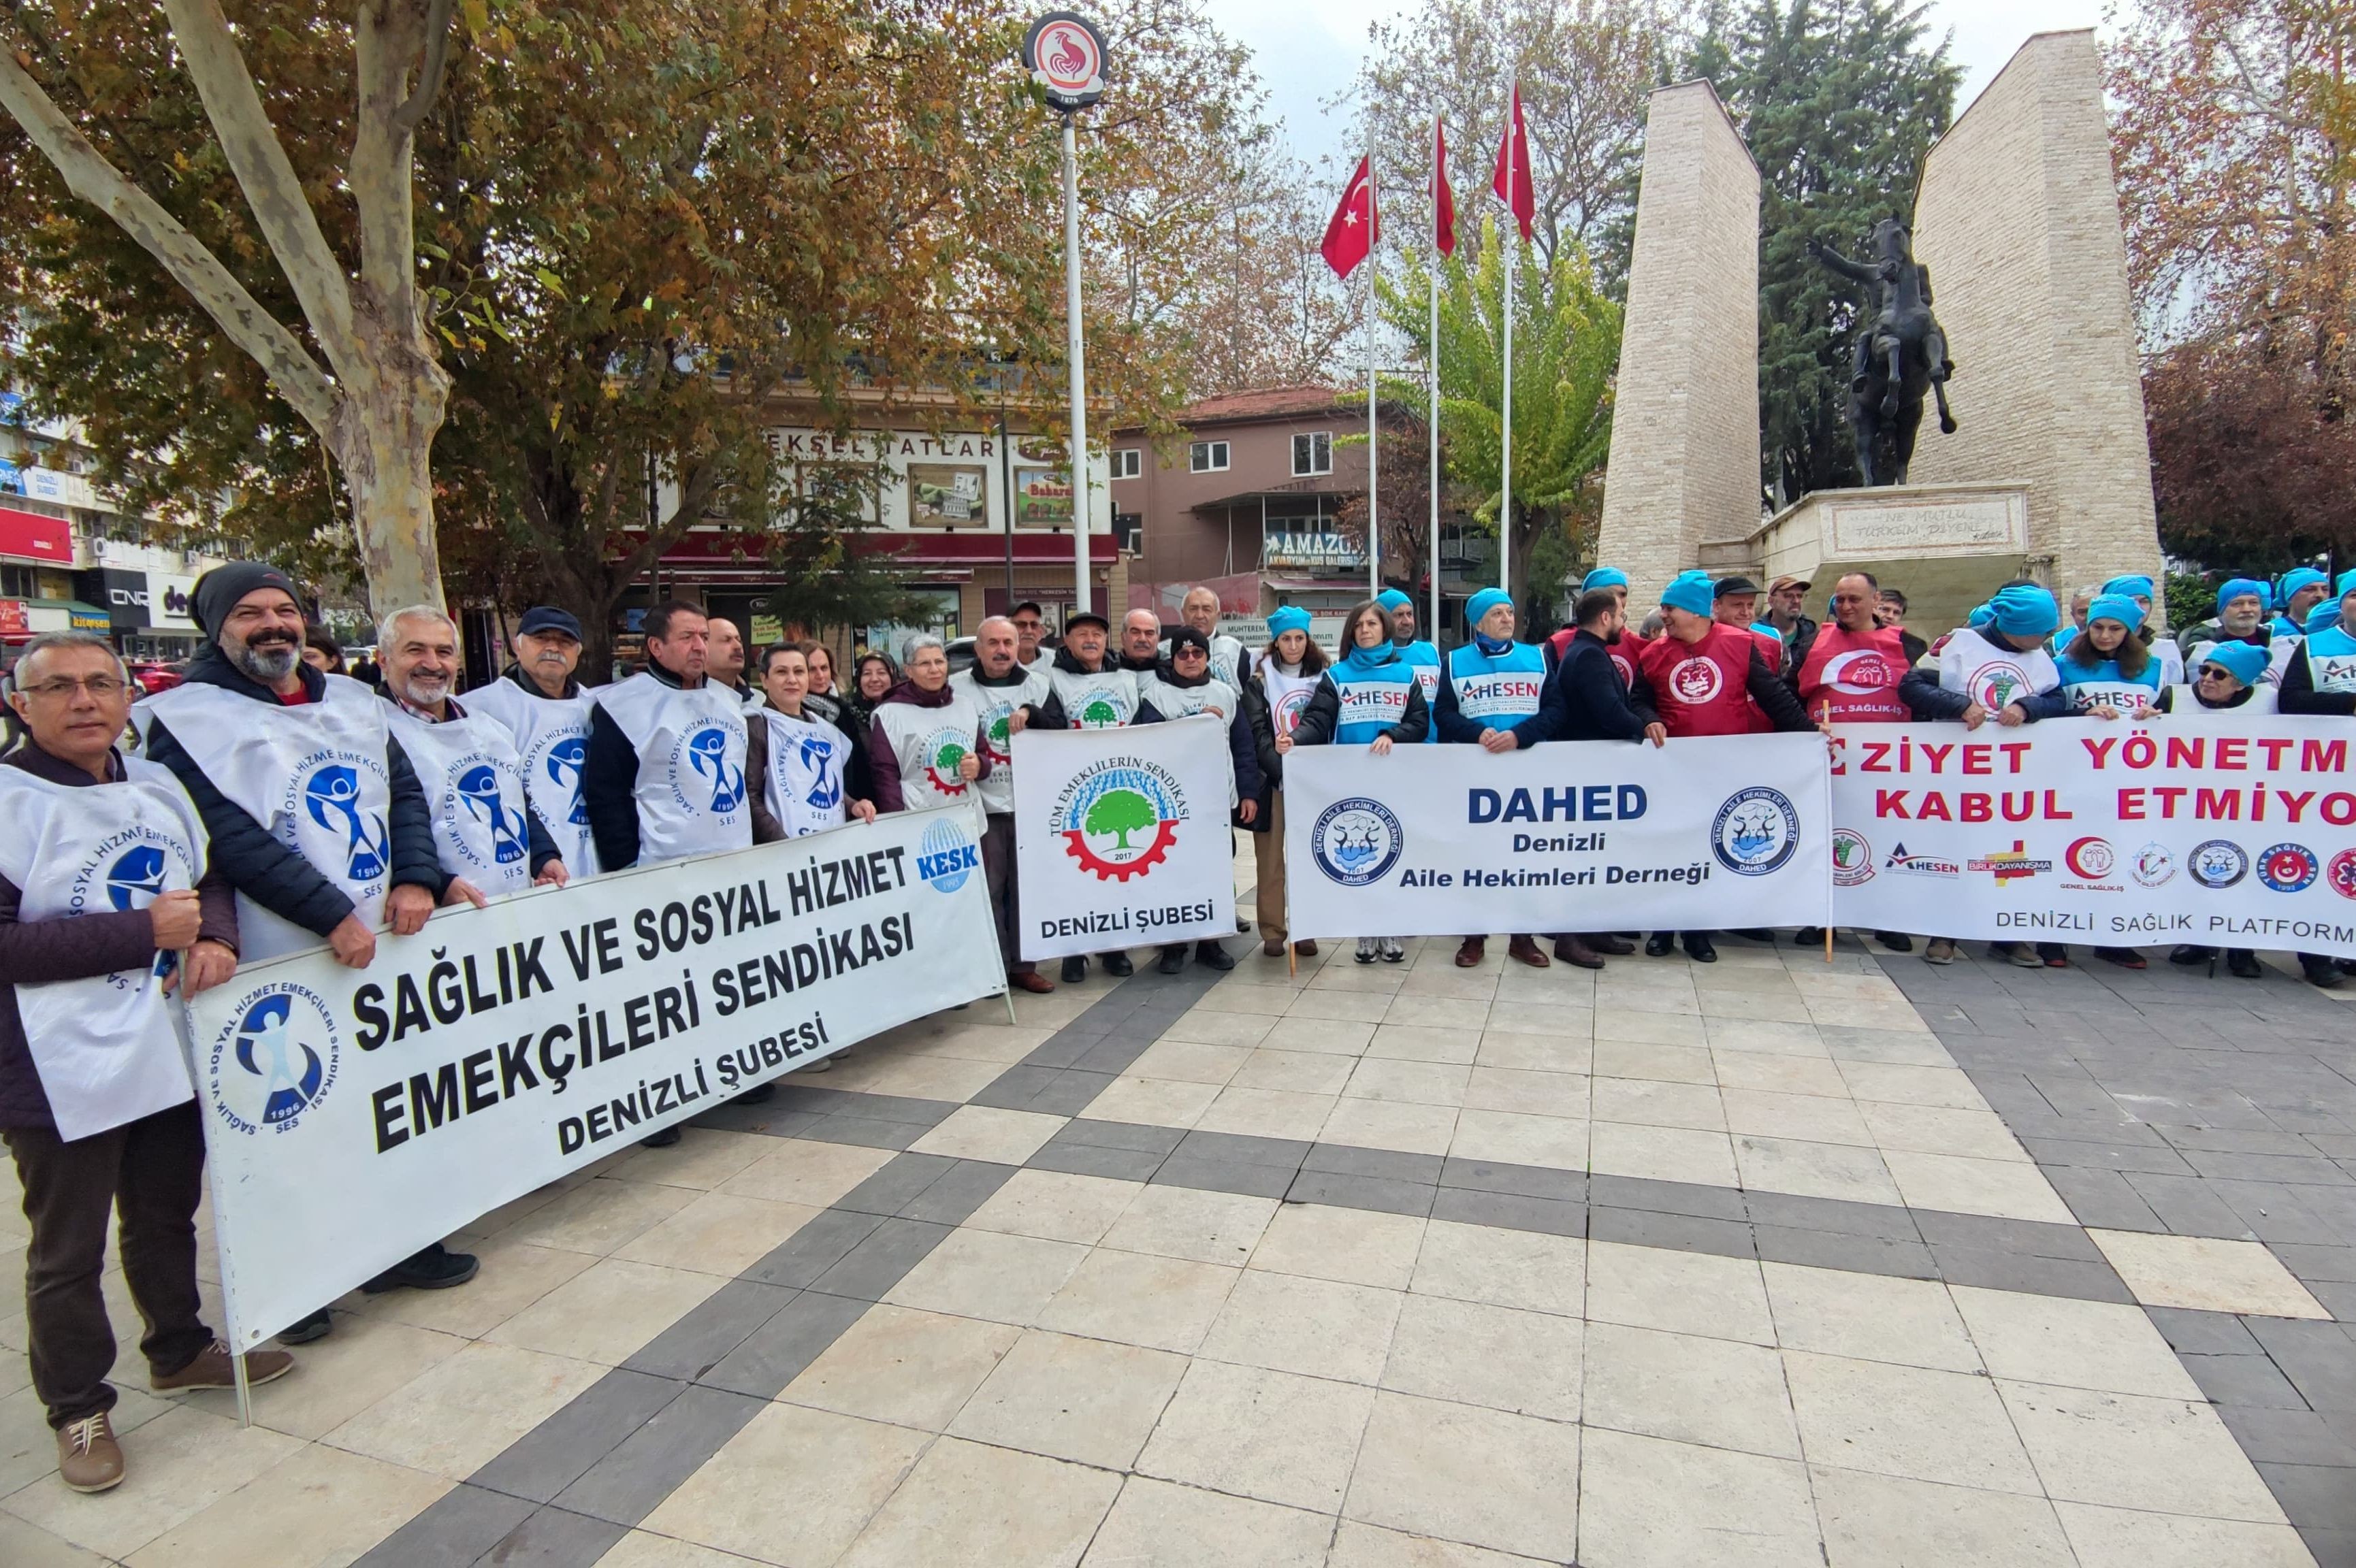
x: 998, y: 871
x: 152, y: 1169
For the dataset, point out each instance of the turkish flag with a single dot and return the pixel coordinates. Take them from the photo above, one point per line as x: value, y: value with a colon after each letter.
x: 1512, y: 182
x: 1443, y: 198
x: 1350, y: 236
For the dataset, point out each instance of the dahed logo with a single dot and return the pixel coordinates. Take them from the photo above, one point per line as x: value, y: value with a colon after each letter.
x: 2218, y: 863
x: 1756, y: 832
x: 1356, y: 841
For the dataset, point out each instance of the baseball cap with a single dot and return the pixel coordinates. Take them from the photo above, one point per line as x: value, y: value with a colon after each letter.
x: 548, y: 618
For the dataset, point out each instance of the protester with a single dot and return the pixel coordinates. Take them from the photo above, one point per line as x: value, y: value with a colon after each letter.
x: 2320, y: 676
x: 1141, y: 643
x: 2301, y: 590
x: 320, y: 650
x: 546, y: 712
x: 725, y: 658
x: 1421, y: 657
x: 1284, y: 677
x: 2231, y: 680
x: 367, y: 672
x: 1734, y: 601
x: 1891, y: 613
x: 1030, y: 625
x: 874, y: 675
x: 1588, y: 699
x: 313, y: 811
x: 2074, y: 621
x: 1086, y: 690
x: 1007, y: 694
x: 1492, y: 692
x: 664, y: 774
x: 1180, y: 689
x: 1787, y: 600
x: 2242, y: 617
x: 1370, y: 696
x: 801, y: 758
x: 1622, y: 650
x: 2106, y: 671
x: 1200, y: 610
x: 2163, y: 648
x: 96, y: 1104
x: 822, y: 695
x: 1707, y: 677
x: 926, y: 743
x: 486, y: 833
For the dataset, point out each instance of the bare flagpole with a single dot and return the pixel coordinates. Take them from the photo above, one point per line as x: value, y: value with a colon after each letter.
x: 1374, y: 397
x: 1432, y: 627
x: 1505, y: 499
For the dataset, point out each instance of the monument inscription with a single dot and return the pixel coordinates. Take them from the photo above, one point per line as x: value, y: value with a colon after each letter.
x: 1869, y: 532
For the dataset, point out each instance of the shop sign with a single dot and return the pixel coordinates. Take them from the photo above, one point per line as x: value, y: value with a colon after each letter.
x: 29, y: 536
x: 1313, y: 552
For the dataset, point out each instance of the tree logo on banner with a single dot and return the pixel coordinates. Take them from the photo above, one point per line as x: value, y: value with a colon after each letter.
x: 944, y: 749
x: 1118, y: 818
x: 1356, y: 841
x: 2290, y: 868
x: 1695, y: 681
x: 2218, y: 863
x: 274, y: 1061
x: 946, y: 857
x: 1756, y: 832
x: 1852, y: 859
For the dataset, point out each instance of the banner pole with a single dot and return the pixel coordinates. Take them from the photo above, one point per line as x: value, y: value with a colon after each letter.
x: 244, y: 1390
x: 1824, y: 716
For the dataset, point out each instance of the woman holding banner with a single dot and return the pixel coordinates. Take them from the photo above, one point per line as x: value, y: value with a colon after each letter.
x: 925, y: 747
x: 1283, y: 679
x: 1370, y: 698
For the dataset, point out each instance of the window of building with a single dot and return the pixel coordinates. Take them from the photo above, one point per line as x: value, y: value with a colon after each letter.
x: 1312, y: 453
x: 19, y: 583
x: 1208, y: 457
x: 1128, y: 463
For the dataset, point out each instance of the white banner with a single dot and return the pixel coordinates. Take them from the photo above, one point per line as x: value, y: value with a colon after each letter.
x: 2215, y: 829
x: 1121, y: 837
x: 1570, y: 836
x: 353, y: 1115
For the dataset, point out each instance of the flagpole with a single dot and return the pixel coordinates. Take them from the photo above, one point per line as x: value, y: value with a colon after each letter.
x: 1432, y: 627
x: 1075, y: 347
x: 1505, y: 499
x: 1374, y: 436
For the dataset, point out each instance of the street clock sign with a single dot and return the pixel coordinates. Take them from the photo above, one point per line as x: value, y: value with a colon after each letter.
x: 1066, y: 56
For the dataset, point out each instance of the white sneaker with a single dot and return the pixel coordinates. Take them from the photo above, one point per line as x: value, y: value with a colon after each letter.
x: 1392, y: 952
x: 1369, y: 949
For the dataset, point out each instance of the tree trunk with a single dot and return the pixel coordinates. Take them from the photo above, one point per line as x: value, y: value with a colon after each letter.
x: 384, y: 446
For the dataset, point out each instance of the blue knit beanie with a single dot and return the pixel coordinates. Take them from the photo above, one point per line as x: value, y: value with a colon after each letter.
x: 2325, y: 616
x: 2295, y: 579
x: 2235, y: 588
x: 1391, y: 599
x: 2025, y: 609
x: 1478, y: 607
x: 2247, y: 660
x: 2346, y: 585
x: 1693, y: 592
x: 1982, y: 613
x: 1603, y: 577
x: 2116, y: 607
x: 2133, y: 587
x: 1291, y: 618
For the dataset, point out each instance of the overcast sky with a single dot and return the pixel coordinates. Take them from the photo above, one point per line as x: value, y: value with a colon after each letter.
x: 1309, y: 50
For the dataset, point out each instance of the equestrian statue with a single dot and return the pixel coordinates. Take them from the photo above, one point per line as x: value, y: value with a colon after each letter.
x: 1900, y: 352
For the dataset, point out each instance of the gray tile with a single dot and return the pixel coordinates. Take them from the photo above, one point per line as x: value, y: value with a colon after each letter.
x: 1375, y: 1193
x: 1069, y: 1093
x: 2101, y: 1198
x: 2192, y: 1333
x: 1833, y: 1249
x: 715, y: 1326
x: 2028, y: 1238
x: 1118, y: 1134
x: 627, y: 1485
x: 1116, y: 1053
x: 556, y: 1538
x: 1787, y: 1211
x: 2318, y: 1358
x: 1522, y: 1180
x: 782, y: 1346
x: 460, y: 1526
x: 2069, y: 1277
x: 896, y: 1108
x: 1682, y: 1232
x: 1510, y: 1210
x: 961, y: 1189
x: 2102, y: 1155
x: 553, y: 1455
x: 1244, y: 1148
x: 1214, y: 1175
x: 1668, y: 1197
x: 865, y: 1131
x: 1088, y: 1159
x: 764, y: 1119
x: 2321, y: 1495
x: 2253, y: 1382
x: 872, y: 1269
x: 1012, y: 1089
x: 1064, y: 1048
x: 817, y: 1247
x: 1390, y: 1165
x: 896, y: 1184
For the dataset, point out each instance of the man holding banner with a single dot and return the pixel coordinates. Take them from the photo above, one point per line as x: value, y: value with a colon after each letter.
x: 95, y: 1100
x: 1182, y: 688
x: 1086, y: 690
x: 546, y: 711
x: 1490, y: 696
x: 1421, y: 657
x: 1008, y: 693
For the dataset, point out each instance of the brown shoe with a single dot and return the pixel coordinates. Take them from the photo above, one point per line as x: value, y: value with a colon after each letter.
x: 1525, y: 948
x: 211, y: 1368
x: 89, y: 1458
x: 1032, y: 981
x: 1610, y: 946
x: 1272, y: 949
x: 1574, y: 951
x: 1305, y: 949
x: 1470, y: 951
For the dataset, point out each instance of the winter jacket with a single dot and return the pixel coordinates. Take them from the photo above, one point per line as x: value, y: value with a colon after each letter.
x: 883, y: 762
x: 1586, y: 699
x: 1325, y: 712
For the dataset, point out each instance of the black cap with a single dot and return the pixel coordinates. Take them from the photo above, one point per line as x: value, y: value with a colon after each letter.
x: 1183, y: 637
x: 218, y: 591
x: 1727, y: 585
x: 548, y: 618
x: 1086, y: 618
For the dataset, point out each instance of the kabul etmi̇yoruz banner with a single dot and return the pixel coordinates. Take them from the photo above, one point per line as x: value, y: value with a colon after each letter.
x: 2207, y: 828
x: 1122, y: 837
x: 353, y: 1115
x: 1570, y: 836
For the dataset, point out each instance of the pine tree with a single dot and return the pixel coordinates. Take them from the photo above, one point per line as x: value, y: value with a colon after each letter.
x: 1839, y: 102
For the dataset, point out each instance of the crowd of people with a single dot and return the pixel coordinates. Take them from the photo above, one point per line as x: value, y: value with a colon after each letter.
x: 248, y: 848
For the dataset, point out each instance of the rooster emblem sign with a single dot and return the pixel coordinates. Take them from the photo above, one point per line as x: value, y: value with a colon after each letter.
x: 1066, y: 57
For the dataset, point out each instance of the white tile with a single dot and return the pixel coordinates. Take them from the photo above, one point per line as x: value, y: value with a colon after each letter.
x: 1482, y: 1476
x: 1527, y: 1269
x: 980, y: 1273
x: 1315, y: 1326
x: 2079, y: 1344
x: 1906, y: 1421
x: 1356, y: 1246
x: 1870, y: 1318
x: 1182, y: 1222
x: 980, y: 1131
x: 1260, y: 1434
x: 1884, y: 1521
x: 2121, y: 1538
x: 1649, y: 1503
x: 1056, y: 1206
x: 1155, y: 1524
x: 2206, y: 1274
x: 1500, y: 1356
x: 1681, y: 1293
x: 2003, y: 1188
x: 2164, y: 1455
x: 1719, y: 1392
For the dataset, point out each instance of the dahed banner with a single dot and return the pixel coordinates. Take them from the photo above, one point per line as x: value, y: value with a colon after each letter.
x: 2213, y: 829
x: 353, y: 1115
x: 1570, y: 836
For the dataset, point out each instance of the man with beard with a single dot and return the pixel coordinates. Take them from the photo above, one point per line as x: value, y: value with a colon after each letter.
x: 313, y: 811
x: 546, y: 712
x: 1421, y: 657
x: 1588, y: 699
x: 1086, y: 690
x: 1007, y: 695
x: 489, y: 838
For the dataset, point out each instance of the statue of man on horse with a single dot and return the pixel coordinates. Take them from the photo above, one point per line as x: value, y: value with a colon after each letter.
x: 1901, y: 352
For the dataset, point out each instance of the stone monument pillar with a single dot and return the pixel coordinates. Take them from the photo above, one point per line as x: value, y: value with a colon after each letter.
x: 1684, y: 468
x: 2018, y: 219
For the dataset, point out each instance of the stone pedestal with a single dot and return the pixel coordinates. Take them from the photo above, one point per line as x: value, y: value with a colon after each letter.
x: 1945, y: 547
x: 2018, y: 219
x: 1684, y: 466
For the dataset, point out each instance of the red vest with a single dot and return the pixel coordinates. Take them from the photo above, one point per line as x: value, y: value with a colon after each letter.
x: 1857, y: 673
x: 1700, y: 688
x: 1625, y: 655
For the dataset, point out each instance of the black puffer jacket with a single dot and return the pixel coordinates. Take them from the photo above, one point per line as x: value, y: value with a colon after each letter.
x: 254, y: 862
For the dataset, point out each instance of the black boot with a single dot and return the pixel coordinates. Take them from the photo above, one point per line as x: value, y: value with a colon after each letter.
x: 1698, y: 948
x: 1117, y: 965
x: 2322, y: 973
x: 2190, y: 954
x: 434, y: 1267
x: 1075, y: 971
x: 1660, y: 945
x: 1174, y: 959
x: 2243, y: 963
x: 1211, y: 955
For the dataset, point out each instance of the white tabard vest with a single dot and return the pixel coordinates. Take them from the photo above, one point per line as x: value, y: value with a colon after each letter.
x: 1106, y: 700
x: 314, y: 775
x: 2263, y: 701
x: 928, y: 744
x: 552, y: 741
x: 805, y: 790
x: 1287, y: 695
x: 468, y: 768
x: 1994, y: 677
x: 996, y: 704
x: 104, y: 1046
x: 692, y: 795
x: 1186, y: 702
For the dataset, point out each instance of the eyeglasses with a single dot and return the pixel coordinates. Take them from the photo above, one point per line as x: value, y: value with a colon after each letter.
x: 1193, y: 654
x: 65, y: 686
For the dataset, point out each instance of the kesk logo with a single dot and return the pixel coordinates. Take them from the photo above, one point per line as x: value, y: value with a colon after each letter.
x: 2218, y: 863
x: 1852, y: 859
x: 1907, y: 863
x: 1756, y: 831
x: 1357, y: 840
x: 2288, y: 867
x: 2090, y: 859
x: 2342, y: 873
x: 1695, y: 681
x: 2155, y: 865
x: 1117, y: 817
x: 946, y: 857
x: 944, y: 749
x: 274, y: 1059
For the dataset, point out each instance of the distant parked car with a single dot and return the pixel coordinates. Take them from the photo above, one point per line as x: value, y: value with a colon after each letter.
x: 158, y: 676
